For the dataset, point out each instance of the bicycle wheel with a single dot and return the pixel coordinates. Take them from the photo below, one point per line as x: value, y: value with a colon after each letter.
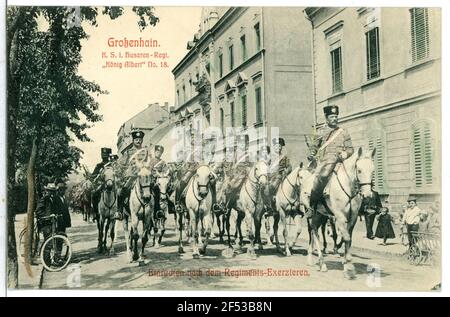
x: 414, y: 255
x: 56, y: 253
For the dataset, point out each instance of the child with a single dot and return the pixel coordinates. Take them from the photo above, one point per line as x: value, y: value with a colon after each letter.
x: 384, y: 228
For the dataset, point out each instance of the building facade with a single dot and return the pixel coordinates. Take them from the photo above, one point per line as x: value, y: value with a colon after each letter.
x: 249, y: 68
x: 382, y: 67
x: 148, y: 120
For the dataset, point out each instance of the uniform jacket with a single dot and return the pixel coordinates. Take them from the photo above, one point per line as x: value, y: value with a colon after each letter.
x: 342, y: 144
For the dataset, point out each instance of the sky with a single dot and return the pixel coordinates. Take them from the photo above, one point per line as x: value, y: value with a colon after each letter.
x: 132, y: 89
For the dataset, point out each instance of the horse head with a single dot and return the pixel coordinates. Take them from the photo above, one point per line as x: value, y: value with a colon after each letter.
x: 364, y: 167
x: 203, y: 177
x: 163, y: 181
x: 109, y: 177
x: 260, y: 172
x: 144, y: 179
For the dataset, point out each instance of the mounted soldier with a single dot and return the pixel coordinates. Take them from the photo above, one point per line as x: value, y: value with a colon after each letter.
x: 332, y: 146
x: 188, y: 170
x: 280, y: 167
x: 216, y: 165
x: 157, y: 165
x: 128, y: 167
x: 238, y: 173
x: 105, y: 154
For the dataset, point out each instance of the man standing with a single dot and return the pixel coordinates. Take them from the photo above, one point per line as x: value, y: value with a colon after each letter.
x: 332, y: 146
x: 129, y: 169
x: 411, y: 217
x: 370, y: 208
x: 62, y: 206
x: 105, y: 154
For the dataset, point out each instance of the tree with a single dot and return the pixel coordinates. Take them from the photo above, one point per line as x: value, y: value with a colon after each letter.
x: 46, y: 98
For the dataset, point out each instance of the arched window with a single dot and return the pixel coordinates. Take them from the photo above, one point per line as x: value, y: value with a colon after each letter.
x: 376, y: 141
x: 423, y: 153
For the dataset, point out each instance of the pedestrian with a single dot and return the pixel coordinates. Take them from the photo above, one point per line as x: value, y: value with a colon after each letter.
x: 434, y: 225
x: 370, y: 208
x: 411, y: 218
x: 384, y: 228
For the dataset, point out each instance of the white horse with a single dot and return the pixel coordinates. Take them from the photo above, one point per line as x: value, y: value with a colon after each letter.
x: 141, y: 209
x: 107, y: 207
x: 198, y: 203
x: 250, y: 204
x: 287, y: 201
x: 349, y: 184
x: 163, y: 180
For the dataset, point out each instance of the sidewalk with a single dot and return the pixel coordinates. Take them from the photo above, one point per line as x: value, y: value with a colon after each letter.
x: 394, y: 246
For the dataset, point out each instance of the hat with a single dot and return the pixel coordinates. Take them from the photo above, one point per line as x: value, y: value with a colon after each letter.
x: 332, y: 109
x: 137, y: 134
x: 279, y: 141
x: 106, y: 151
x: 50, y: 186
x: 411, y: 198
x: 159, y: 148
x: 265, y: 147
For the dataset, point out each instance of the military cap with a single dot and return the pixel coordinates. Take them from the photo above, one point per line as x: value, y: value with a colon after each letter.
x: 411, y: 198
x: 159, y: 148
x: 331, y: 109
x: 106, y: 151
x: 137, y: 134
x: 279, y: 141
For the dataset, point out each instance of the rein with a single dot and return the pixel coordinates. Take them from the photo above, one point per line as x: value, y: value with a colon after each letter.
x: 255, y: 183
x: 294, y: 186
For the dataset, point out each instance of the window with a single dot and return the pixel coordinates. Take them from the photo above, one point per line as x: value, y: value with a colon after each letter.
x: 178, y: 97
x: 243, y: 49
x: 373, y: 53
x: 422, y: 153
x: 376, y: 141
x: 259, y: 114
x: 220, y: 65
x: 231, y: 57
x: 191, y: 92
x: 222, y: 121
x: 244, y: 110
x: 232, y: 114
x: 184, y: 94
x: 258, y: 37
x: 420, y: 41
x: 336, y: 69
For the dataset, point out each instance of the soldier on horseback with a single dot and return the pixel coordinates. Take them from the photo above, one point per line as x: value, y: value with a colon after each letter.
x: 280, y: 167
x: 105, y: 154
x: 129, y: 170
x: 331, y: 147
x: 157, y: 165
x: 239, y: 171
x: 188, y: 170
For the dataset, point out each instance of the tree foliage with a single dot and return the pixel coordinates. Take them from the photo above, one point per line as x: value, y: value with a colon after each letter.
x: 49, y: 104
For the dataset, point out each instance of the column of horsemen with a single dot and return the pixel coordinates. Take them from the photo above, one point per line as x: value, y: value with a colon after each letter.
x: 331, y: 146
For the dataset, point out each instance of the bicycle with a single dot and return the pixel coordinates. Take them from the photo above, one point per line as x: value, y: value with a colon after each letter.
x: 34, y: 242
x: 56, y: 250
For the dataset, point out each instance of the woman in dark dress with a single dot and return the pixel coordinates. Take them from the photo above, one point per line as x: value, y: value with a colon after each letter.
x: 384, y: 228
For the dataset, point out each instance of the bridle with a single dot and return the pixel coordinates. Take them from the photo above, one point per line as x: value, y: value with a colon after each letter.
x: 294, y: 186
x: 256, y: 183
x: 358, y: 183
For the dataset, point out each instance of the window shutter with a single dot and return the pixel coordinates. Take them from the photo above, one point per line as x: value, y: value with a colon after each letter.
x: 336, y: 69
x: 259, y: 115
x: 373, y: 53
x: 232, y: 113
x: 420, y: 41
x: 423, y: 154
x: 244, y: 110
x: 378, y: 175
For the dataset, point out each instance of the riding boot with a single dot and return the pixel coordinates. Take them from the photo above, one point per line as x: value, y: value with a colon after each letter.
x: 316, y: 194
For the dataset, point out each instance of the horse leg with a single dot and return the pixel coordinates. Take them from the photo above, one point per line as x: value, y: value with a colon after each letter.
x: 208, y: 219
x: 239, y: 219
x: 194, y: 232
x: 285, y: 236
x: 323, y: 230
x: 144, y: 240
x: 100, y: 235
x: 135, y: 238
x: 336, y: 246
x: 127, y: 237
x: 105, y: 233
x: 180, y: 233
x: 267, y: 226
x: 258, y: 223
x: 113, y: 233
x: 251, y: 236
x: 276, y: 221
x: 349, y: 269
x: 298, y: 226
